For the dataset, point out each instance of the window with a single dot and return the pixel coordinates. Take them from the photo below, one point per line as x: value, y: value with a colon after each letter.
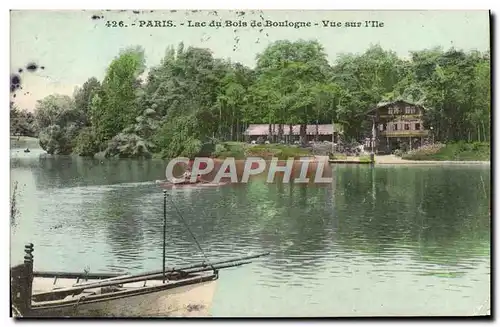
x: 382, y: 127
x: 393, y: 111
x: 417, y: 126
x: 395, y: 127
x: 407, y: 127
x: 410, y: 110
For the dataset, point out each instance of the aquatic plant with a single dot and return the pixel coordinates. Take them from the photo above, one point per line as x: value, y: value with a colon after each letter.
x: 13, y: 204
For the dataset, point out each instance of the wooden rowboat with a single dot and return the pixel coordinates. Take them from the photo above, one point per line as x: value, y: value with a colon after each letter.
x: 171, y: 292
x: 179, y: 292
x: 169, y: 185
x: 188, y: 296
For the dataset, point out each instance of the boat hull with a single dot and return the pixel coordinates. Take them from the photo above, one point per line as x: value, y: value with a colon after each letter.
x: 167, y: 185
x: 193, y: 300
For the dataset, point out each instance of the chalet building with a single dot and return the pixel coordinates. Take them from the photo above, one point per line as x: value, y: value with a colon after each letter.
x: 321, y: 132
x: 396, y: 125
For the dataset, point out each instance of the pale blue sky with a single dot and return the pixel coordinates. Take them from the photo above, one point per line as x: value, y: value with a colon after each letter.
x: 73, y: 47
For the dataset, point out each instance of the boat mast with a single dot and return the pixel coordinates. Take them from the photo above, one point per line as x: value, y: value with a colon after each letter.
x: 164, y: 229
x: 21, y: 284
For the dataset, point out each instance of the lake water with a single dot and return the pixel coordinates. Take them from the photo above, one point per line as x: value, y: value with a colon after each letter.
x: 392, y: 240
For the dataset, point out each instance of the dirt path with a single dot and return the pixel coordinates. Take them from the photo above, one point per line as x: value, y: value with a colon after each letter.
x: 392, y: 159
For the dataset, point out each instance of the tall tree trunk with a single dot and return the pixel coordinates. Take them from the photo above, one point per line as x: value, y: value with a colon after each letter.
x: 317, y: 131
x: 317, y: 125
x: 280, y: 133
x: 303, y: 134
x: 231, y: 132
x: 290, y: 133
x: 270, y: 132
x: 237, y: 130
x: 220, y: 122
x: 485, y: 138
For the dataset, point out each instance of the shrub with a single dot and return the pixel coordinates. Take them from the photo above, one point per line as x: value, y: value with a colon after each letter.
x: 192, y: 147
x: 426, y: 152
x: 398, y: 153
x: 282, y: 152
x: 219, y: 149
x: 59, y: 140
x: 232, y: 150
x: 207, y: 149
x: 86, y: 143
x: 263, y: 152
x: 128, y: 146
x: 52, y: 140
x: 477, y: 146
x: 365, y: 159
x: 338, y: 156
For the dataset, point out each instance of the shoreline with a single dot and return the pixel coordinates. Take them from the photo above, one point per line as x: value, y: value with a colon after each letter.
x: 393, y: 160
x: 379, y: 160
x: 431, y: 162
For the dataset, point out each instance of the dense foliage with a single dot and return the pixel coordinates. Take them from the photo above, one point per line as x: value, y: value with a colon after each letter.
x: 192, y: 100
x: 22, y: 122
x: 452, y: 151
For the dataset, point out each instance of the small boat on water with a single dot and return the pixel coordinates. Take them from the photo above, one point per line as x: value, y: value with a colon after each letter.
x: 170, y: 185
x: 171, y: 292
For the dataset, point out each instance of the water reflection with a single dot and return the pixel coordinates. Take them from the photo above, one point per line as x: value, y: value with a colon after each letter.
x: 438, y: 211
x: 425, y: 227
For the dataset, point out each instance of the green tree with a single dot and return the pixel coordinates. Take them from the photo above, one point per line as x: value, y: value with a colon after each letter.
x: 291, y: 72
x: 56, y: 117
x: 365, y: 80
x: 22, y: 122
x: 83, y: 99
x: 116, y: 107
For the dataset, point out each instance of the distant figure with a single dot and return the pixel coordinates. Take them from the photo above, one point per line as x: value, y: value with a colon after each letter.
x: 187, y: 174
x: 186, y: 178
x: 27, y: 150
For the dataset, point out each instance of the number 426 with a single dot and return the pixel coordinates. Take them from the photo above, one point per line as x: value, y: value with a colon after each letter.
x: 114, y: 23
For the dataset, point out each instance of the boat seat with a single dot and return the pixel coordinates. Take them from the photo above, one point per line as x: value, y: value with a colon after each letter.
x: 85, y: 293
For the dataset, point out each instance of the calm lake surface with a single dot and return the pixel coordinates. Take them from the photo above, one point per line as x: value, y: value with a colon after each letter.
x: 392, y: 240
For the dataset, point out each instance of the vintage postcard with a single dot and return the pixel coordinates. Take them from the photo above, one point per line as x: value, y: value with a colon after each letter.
x: 250, y: 163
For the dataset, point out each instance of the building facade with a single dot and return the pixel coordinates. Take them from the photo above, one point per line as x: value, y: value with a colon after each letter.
x: 320, y: 132
x: 396, y: 125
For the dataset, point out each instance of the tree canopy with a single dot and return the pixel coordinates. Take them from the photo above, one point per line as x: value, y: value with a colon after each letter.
x: 192, y: 99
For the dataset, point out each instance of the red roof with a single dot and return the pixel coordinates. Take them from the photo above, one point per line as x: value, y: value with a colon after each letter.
x: 263, y: 129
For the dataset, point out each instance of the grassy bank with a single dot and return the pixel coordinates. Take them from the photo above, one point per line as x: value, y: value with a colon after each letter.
x: 240, y: 150
x: 343, y: 157
x: 461, y: 151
